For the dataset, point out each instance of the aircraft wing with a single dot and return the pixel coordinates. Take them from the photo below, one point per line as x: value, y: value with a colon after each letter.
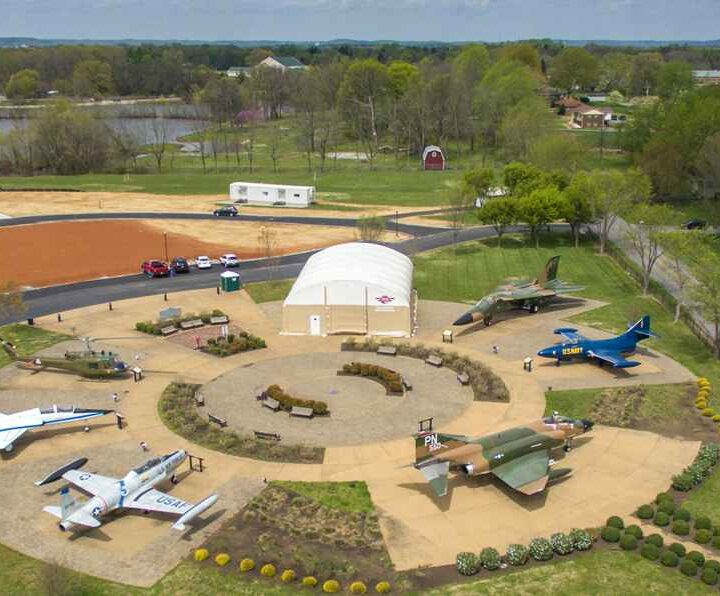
x: 83, y: 518
x: 527, y: 474
x: 525, y: 294
x: 8, y: 437
x: 91, y: 483
x: 154, y: 500
x: 436, y: 474
x: 569, y: 333
x: 614, y: 358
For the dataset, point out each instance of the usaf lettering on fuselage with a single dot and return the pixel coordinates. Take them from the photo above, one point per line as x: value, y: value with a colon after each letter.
x: 170, y: 501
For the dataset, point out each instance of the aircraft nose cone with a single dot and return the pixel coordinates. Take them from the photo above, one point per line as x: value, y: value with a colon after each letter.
x: 547, y: 353
x: 466, y: 319
x: 587, y: 424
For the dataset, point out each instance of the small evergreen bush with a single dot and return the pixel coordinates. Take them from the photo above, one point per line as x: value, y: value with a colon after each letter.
x: 715, y: 542
x: 201, y: 554
x: 628, y: 542
x: 667, y: 507
x: 655, y: 539
x: 709, y: 577
x: 669, y: 559
x: 247, y: 565
x: 517, y: 554
x: 678, y: 549
x: 540, y: 549
x: 268, y: 570
x: 287, y: 576
x: 650, y: 552
x: 222, y: 559
x: 712, y: 564
x: 696, y: 557
x: 661, y: 519
x: 703, y: 536
x: 703, y: 523
x: 634, y: 531
x: 680, y: 527
x: 467, y: 563
x: 682, y: 514
x: 581, y: 539
x: 645, y: 512
x: 490, y: 558
x: 615, y: 522
x: 309, y: 581
x: 331, y: 586
x: 688, y: 568
x: 382, y: 587
x: 610, y: 534
x: 358, y: 588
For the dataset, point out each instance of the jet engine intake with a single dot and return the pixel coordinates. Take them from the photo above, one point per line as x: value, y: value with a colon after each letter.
x: 65, y: 526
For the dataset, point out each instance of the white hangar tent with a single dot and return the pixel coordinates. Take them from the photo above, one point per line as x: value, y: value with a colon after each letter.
x: 352, y: 288
x: 256, y: 193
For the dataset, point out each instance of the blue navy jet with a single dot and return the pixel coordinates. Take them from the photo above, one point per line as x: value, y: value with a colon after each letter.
x: 611, y: 350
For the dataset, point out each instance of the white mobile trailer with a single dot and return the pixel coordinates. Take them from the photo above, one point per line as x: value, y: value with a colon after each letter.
x: 256, y: 193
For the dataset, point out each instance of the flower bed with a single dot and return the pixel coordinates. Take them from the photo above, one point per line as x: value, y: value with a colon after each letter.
x: 287, y: 402
x: 391, y: 380
x: 156, y: 327
x: 233, y: 344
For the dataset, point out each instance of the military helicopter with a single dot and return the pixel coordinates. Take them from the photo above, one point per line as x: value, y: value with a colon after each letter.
x: 87, y: 363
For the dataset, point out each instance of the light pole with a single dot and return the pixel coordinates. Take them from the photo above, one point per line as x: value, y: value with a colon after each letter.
x: 165, y: 242
x: 396, y: 223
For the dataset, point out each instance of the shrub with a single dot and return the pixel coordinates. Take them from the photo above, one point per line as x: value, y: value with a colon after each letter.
x: 287, y: 402
x: 703, y: 536
x: 712, y: 564
x: 561, y: 543
x: 247, y: 565
x: 389, y: 378
x: 709, y: 577
x: 667, y: 507
x: 615, y: 522
x: 696, y: 557
x: 201, y: 554
x: 660, y: 497
x: 287, y: 576
x: 490, y: 558
x: 222, y: 559
x: 517, y: 554
x: 683, y: 482
x: 268, y: 570
x: 701, y: 404
x: 655, y: 539
x: 634, y: 531
x: 358, y: 588
x: 716, y: 418
x: 688, y: 568
x: 382, y: 587
x: 467, y: 563
x: 680, y: 527
x: 309, y: 581
x: 703, y: 523
x: 628, y: 542
x: 581, y: 539
x: 669, y: 559
x: 540, y: 549
x: 682, y: 514
x: 678, y: 549
x: 661, y: 519
x: 610, y: 534
x: 331, y: 586
x: 645, y: 512
x: 650, y: 552
x: 715, y: 542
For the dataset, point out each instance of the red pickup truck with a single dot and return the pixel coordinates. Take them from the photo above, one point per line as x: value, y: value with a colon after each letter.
x: 155, y: 269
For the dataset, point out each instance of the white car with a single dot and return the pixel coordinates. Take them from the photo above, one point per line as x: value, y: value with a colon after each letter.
x: 229, y: 260
x: 203, y: 262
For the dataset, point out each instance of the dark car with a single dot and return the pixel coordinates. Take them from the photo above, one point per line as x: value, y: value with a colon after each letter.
x: 155, y: 269
x: 226, y: 212
x: 694, y: 224
x: 180, y: 265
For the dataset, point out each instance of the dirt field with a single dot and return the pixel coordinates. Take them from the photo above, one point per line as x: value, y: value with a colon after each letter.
x: 64, y: 252
x: 45, y: 203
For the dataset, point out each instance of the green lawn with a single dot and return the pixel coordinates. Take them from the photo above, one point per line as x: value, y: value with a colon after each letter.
x: 269, y: 291
x: 346, y: 496
x: 27, y: 340
x: 705, y: 500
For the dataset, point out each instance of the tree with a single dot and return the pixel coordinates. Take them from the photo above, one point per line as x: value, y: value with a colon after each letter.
x: 158, y: 137
x: 574, y: 68
x: 479, y: 182
x: 470, y: 64
x: 558, y: 152
x: 460, y: 203
x: 539, y: 208
x: 371, y: 228
x: 644, y: 73
x: 92, y: 78
x: 267, y: 241
x: 674, y: 78
x: 257, y: 55
x: 707, y: 294
x: 222, y: 98
x: 523, y: 53
x: 523, y: 126
x: 271, y: 88
x: 521, y: 178
x: 576, y: 208
x: 644, y: 236
x: 24, y: 84
x: 707, y: 163
x: 678, y: 247
x: 12, y: 305
x: 615, y: 70
x: 500, y: 213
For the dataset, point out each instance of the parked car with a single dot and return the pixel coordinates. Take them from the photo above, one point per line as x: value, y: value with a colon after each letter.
x: 226, y: 212
x: 229, y: 260
x: 203, y: 262
x: 155, y: 269
x: 180, y: 265
x: 694, y: 224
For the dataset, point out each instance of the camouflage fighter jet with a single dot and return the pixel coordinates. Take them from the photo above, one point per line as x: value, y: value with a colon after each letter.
x: 519, y: 293
x: 520, y: 456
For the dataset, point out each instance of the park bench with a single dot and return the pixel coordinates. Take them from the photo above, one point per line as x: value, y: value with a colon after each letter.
x: 217, y: 420
x: 267, y: 436
x: 302, y: 412
x: 219, y: 320
x: 199, y: 399
x: 463, y: 378
x: 434, y: 360
x: 271, y: 404
x: 387, y: 350
x: 169, y: 330
x: 261, y: 395
x: 407, y: 383
x: 191, y: 324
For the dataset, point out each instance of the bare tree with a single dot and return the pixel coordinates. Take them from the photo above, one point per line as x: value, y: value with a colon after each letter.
x: 159, y: 135
x: 267, y: 241
x: 371, y: 228
x: 645, y: 239
x: 678, y: 247
x: 275, y: 142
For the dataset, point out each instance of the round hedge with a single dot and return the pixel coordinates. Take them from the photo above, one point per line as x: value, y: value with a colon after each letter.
x: 615, y: 522
x: 309, y: 581
x: 678, y: 549
x: 222, y: 559
x: 561, y: 543
x: 703, y: 523
x: 490, y: 558
x: 655, y: 539
x: 541, y: 550
x: 709, y: 577
x: 331, y: 586
x: 667, y: 507
x: 247, y: 565
x: 645, y: 512
x: 581, y: 539
x: 517, y: 554
x: 634, y: 531
x: 650, y: 552
x: 358, y: 587
x: 682, y: 514
x: 382, y: 587
x: 268, y: 570
x: 688, y: 568
x: 696, y: 557
x: 712, y: 564
x: 680, y: 527
x: 201, y: 554
x: 715, y: 542
x: 660, y: 497
x: 610, y: 534
x: 669, y: 559
x: 703, y: 536
x: 708, y: 412
x: 628, y: 542
x: 467, y: 563
x: 661, y: 519
x: 287, y: 576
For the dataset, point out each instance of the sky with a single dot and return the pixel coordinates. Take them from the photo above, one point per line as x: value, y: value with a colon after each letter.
x: 302, y: 20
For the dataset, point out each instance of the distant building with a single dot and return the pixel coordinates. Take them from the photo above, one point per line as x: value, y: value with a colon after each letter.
x: 433, y: 158
x: 279, y: 195
x: 706, y: 77
x: 585, y: 116
x: 238, y: 71
x: 283, y: 63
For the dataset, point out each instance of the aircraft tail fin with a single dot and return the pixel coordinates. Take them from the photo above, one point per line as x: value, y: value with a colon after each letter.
x: 429, y: 444
x: 9, y: 349
x: 641, y: 329
x: 67, y: 502
x: 549, y: 272
x: 52, y: 510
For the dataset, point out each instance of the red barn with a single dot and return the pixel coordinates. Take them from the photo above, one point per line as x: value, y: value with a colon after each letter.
x: 433, y: 158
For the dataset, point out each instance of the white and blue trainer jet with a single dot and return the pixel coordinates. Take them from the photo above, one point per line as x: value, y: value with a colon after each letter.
x: 14, y: 425
x: 133, y: 491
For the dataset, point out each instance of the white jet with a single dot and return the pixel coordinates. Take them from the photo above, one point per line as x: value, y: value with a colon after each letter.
x: 134, y: 491
x: 14, y: 425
